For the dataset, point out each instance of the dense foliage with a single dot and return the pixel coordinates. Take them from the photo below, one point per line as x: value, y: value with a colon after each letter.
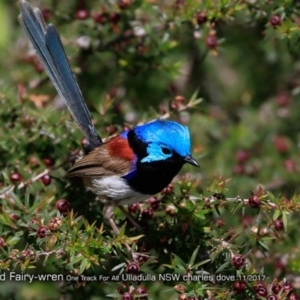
x: 230, y: 70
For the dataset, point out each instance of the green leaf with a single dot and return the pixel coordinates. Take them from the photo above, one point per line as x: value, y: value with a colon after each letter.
x: 83, y: 265
x: 192, y: 260
x: 119, y: 266
x: 271, y: 196
x: 284, y: 220
x: 222, y: 267
x: 74, y: 260
x: 17, y: 200
x: 178, y: 262
x: 115, y: 296
x: 276, y: 214
x: 135, y: 238
x: 14, y: 240
x: 40, y: 204
x: 263, y: 246
x: 201, y: 263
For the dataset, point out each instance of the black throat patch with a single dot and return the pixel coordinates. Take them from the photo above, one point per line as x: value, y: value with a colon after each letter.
x: 151, y: 177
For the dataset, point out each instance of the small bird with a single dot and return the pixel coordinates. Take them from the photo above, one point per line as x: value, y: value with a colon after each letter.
x: 127, y: 168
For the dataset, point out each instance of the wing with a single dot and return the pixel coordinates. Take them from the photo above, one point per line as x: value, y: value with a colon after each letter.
x: 49, y: 49
x: 115, y: 157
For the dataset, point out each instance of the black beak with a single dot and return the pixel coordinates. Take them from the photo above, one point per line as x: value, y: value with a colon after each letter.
x: 191, y: 161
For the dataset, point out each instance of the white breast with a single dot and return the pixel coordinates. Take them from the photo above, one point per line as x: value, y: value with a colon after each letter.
x: 115, y: 189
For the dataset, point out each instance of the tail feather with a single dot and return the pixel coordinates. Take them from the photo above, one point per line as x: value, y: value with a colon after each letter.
x: 46, y: 41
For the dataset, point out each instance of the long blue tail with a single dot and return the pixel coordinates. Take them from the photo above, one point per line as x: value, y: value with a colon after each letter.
x: 46, y: 41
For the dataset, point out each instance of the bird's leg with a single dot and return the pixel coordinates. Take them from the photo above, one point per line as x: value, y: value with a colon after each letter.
x: 129, y: 217
x: 108, y: 212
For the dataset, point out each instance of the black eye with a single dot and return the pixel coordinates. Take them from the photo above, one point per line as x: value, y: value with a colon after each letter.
x: 166, y: 150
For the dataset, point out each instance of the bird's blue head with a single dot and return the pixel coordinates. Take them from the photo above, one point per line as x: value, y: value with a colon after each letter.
x: 165, y: 139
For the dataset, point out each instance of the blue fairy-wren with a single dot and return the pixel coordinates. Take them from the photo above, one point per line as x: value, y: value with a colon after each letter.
x: 127, y: 168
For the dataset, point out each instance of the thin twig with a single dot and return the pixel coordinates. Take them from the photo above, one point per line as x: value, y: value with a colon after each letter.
x: 5, y: 194
x: 34, y: 179
x: 211, y: 200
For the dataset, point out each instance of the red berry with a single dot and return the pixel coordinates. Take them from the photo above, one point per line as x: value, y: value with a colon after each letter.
x: 55, y: 223
x: 124, y: 4
x: 62, y: 205
x: 275, y: 20
x: 46, y: 179
x: 280, y: 264
x: 111, y: 129
x: 262, y: 293
x: 239, y: 286
x: 46, y: 14
x: 127, y: 296
x: 2, y: 242
x: 287, y: 287
x: 242, y: 156
x: 154, y: 202
x: 114, y: 17
x: 147, y: 213
x: 168, y: 189
x: 142, y: 258
x: 260, y: 289
x: 278, y: 224
x: 34, y: 221
x: 141, y: 49
x: 170, y: 210
x: 184, y: 227
x: 178, y: 3
x: 294, y: 297
x: 220, y: 223
x: 259, y: 285
x: 100, y: 18
x: 246, y: 221
x: 281, y: 144
x: 39, y: 67
x: 238, y: 261
x: 34, y: 161
x: 15, y: 177
x: 276, y: 288
x: 201, y: 17
x: 133, y: 268
x: 122, y: 289
x: 141, y: 291
x: 211, y: 41
x: 49, y: 162
x: 272, y: 297
x: 176, y: 105
x: 126, y: 128
x: 133, y: 208
x: 14, y: 217
x: 84, y: 142
x: 290, y: 165
x: 283, y: 99
x: 179, y: 99
x: 118, y: 108
x: 82, y: 14
x: 42, y: 232
x: 254, y: 202
x: 239, y: 170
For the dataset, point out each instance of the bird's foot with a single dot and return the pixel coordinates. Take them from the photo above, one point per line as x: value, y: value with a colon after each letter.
x: 129, y: 217
x: 108, y: 212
